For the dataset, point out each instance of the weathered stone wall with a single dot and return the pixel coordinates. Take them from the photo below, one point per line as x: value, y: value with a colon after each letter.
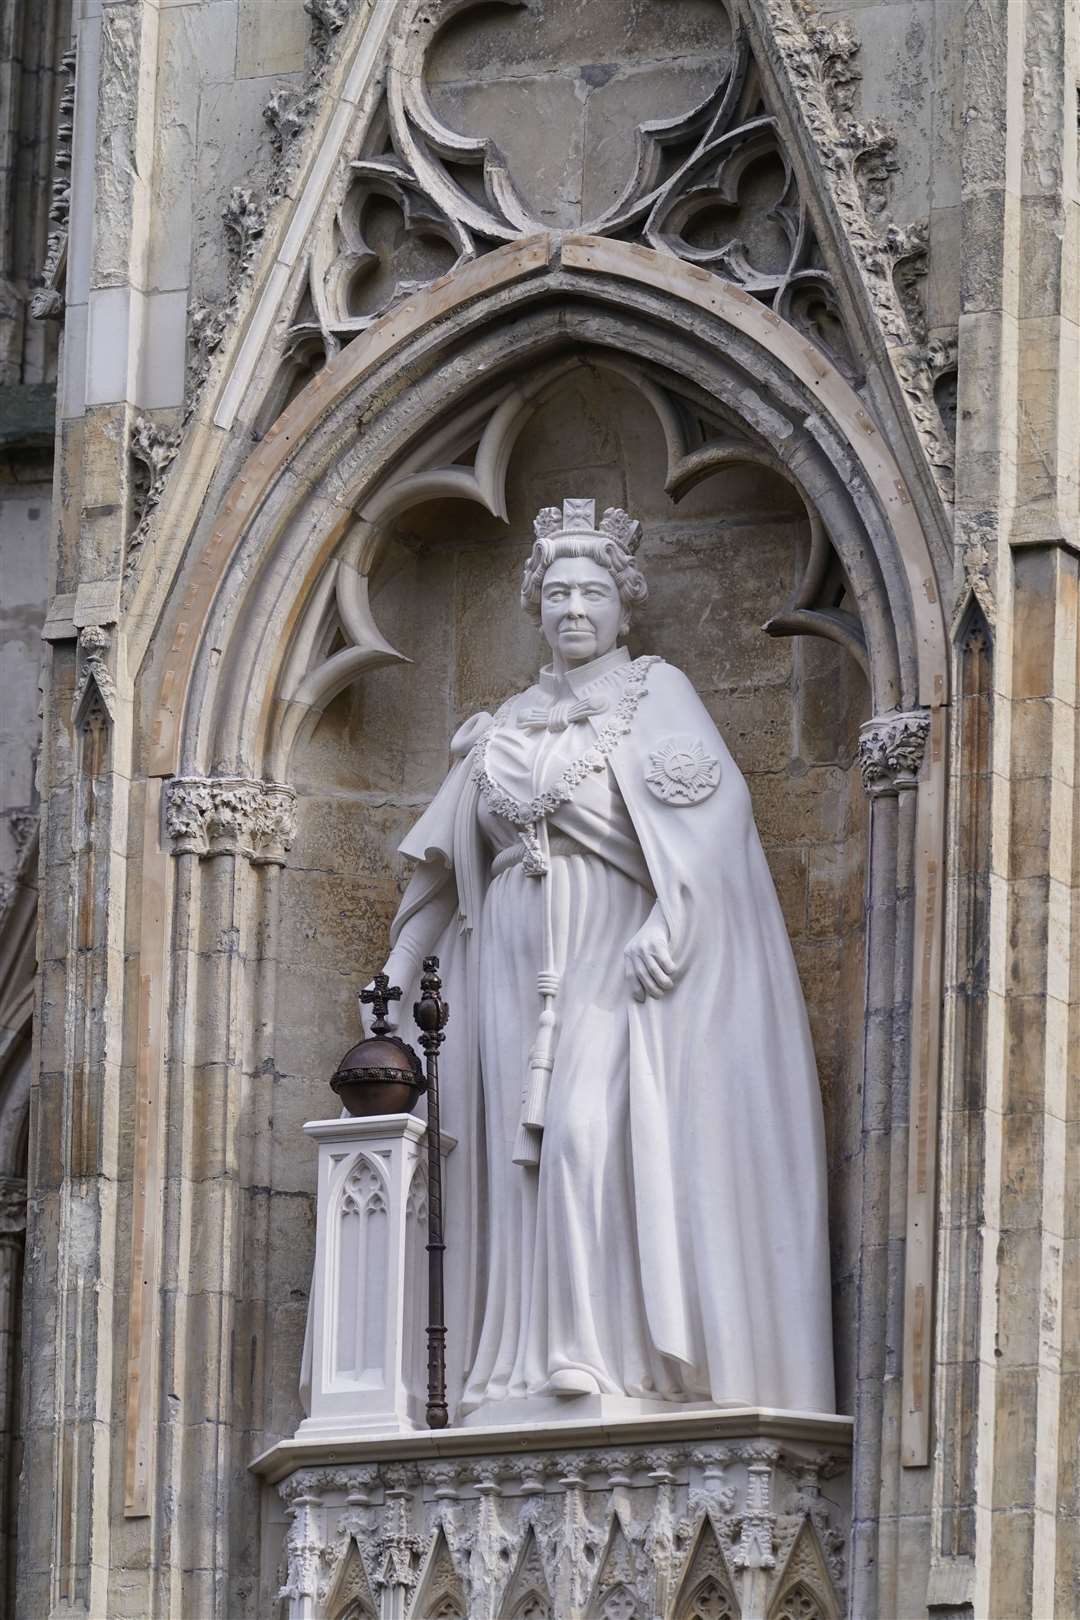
x: 190, y: 1009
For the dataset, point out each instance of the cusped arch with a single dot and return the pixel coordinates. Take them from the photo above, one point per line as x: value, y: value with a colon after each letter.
x: 251, y: 607
x: 318, y: 489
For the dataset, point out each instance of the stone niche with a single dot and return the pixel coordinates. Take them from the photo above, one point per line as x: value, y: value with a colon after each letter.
x: 445, y: 594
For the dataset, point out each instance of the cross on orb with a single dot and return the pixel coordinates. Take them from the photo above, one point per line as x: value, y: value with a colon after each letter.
x: 379, y: 994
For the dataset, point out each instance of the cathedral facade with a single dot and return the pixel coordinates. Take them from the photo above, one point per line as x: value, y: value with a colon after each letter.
x: 309, y: 307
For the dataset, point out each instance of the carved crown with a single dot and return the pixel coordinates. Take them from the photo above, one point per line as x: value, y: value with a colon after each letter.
x: 579, y: 517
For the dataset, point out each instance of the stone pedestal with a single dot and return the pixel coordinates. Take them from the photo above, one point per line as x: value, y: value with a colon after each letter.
x: 738, y: 1515
x: 368, y: 1309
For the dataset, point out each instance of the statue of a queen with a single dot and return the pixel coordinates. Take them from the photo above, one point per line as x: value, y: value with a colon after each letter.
x: 637, y: 1201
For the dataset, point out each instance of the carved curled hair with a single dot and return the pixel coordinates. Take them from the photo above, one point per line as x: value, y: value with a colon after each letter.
x: 612, y: 546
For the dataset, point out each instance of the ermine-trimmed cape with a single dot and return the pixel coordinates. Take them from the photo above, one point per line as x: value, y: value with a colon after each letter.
x: 726, y: 1130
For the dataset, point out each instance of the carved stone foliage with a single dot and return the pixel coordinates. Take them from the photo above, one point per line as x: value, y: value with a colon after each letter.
x: 244, y: 222
x: 47, y: 303
x: 891, y: 749
x: 288, y: 113
x: 291, y: 108
x: 153, y: 450
x: 230, y: 815
x: 856, y: 161
x: 585, y: 1535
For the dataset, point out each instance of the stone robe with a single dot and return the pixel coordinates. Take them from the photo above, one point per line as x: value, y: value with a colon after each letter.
x: 673, y: 1240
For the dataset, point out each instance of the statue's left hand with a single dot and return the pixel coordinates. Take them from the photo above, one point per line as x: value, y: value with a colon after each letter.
x: 650, y: 966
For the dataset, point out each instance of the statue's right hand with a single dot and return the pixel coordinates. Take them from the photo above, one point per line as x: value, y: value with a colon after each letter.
x: 650, y: 966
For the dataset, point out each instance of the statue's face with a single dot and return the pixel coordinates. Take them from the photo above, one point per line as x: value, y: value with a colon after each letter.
x: 581, y: 612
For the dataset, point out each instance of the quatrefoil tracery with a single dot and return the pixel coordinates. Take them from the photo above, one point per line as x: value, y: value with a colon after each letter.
x: 712, y: 185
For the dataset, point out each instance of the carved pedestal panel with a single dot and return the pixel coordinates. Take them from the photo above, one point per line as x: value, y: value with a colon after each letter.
x: 367, y: 1309
x: 677, y: 1518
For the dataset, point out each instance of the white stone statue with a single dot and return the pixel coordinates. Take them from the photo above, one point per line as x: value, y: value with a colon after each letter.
x: 637, y: 1204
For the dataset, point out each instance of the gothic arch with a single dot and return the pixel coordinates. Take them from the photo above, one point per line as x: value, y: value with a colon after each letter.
x: 273, y: 591
x: 708, y: 1601
x: 312, y: 480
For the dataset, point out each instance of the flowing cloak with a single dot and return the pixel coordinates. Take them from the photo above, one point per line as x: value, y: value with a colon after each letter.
x: 726, y: 1131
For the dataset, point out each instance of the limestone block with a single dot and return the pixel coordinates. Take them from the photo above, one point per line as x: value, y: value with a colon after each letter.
x: 315, y: 1021
x: 388, y: 732
x: 565, y: 33
x: 1049, y: 261
x: 946, y: 102
x: 835, y: 898
x: 788, y: 865
x: 160, y: 375
x: 896, y: 64
x: 271, y: 37
x: 287, y: 1320
x: 756, y: 724
x: 331, y: 921
x: 496, y: 647
x: 197, y: 46
x: 832, y: 700
x: 232, y: 151
x: 109, y: 366
x: 357, y: 836
x: 736, y: 580
x: 615, y: 102
x: 547, y: 172
x: 947, y: 249
x: 990, y: 234
x: 811, y: 807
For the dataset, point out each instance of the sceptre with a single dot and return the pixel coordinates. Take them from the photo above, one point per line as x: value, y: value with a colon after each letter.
x: 431, y: 1014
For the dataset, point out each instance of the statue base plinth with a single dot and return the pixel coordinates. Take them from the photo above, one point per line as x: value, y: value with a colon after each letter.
x: 532, y: 1409
x: 570, y: 1520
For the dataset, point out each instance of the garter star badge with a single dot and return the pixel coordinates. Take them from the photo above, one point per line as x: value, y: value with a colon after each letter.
x: 681, y: 772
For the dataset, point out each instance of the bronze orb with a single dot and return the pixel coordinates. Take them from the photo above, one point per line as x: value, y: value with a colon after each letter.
x: 380, y: 1075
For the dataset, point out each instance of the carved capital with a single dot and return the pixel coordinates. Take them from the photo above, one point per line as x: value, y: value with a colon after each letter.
x: 230, y: 815
x: 891, y: 748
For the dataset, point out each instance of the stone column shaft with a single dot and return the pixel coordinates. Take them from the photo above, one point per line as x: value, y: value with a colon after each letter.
x: 1029, y: 1082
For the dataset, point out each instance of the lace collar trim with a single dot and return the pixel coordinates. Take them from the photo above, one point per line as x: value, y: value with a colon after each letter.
x: 522, y: 814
